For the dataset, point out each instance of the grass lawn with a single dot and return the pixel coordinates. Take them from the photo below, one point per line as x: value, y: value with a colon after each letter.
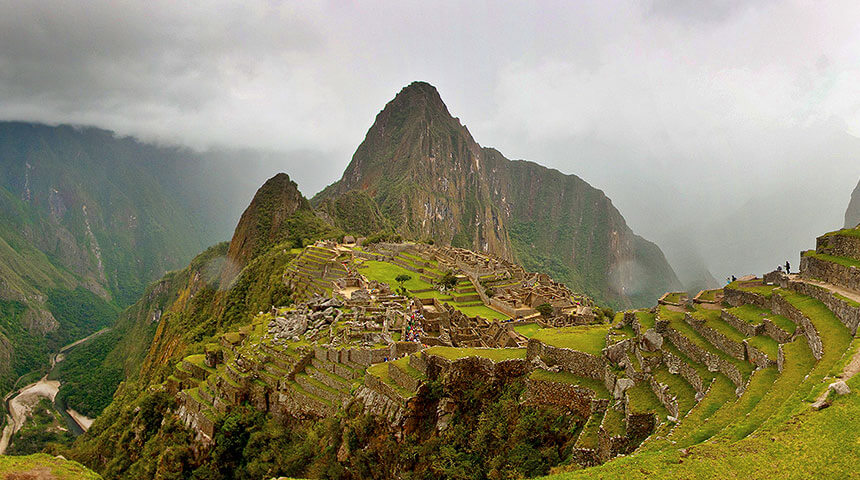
x: 380, y: 370
x: 587, y: 338
x: 528, y: 330
x: 640, y: 399
x: 482, y: 310
x: 674, y: 297
x: 679, y: 387
x: 753, y: 286
x: 494, y: 354
x: 590, y: 434
x: 646, y: 320
x: 595, y: 386
x: 386, y: 273
x: 710, y: 295
x: 41, y: 465
x: 815, y: 444
x: 844, y: 261
x: 678, y: 323
x: 613, y: 423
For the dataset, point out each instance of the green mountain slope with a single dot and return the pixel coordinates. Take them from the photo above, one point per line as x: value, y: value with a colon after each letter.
x: 431, y: 180
x: 87, y: 220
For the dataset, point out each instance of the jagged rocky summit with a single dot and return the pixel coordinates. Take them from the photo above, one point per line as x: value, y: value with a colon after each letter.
x: 422, y: 171
x: 852, y: 215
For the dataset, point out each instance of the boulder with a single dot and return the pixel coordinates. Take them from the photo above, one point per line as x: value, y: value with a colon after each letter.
x: 840, y: 388
x: 652, y: 340
x: 621, y: 386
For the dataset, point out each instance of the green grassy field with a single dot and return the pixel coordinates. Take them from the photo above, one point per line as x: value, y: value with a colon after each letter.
x: 43, y: 466
x: 587, y: 338
x: 528, y: 330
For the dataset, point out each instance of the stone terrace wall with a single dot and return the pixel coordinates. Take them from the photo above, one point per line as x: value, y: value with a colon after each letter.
x: 735, y: 349
x: 736, y: 298
x: 776, y: 333
x: 782, y: 307
x: 757, y: 357
x: 665, y: 396
x: 839, y: 245
x: 713, y: 362
x: 742, y: 326
x: 578, y: 363
x: 679, y: 366
x: 579, y: 399
x: 848, y: 314
x: 848, y: 277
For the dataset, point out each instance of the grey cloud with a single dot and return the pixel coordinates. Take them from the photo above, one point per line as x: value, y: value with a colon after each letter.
x: 728, y: 125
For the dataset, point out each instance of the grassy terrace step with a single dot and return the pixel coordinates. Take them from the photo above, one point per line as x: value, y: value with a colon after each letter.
x: 712, y: 320
x: 343, y: 384
x: 614, y: 423
x: 755, y: 315
x: 527, y: 330
x: 304, y: 378
x: 798, y: 362
x: 640, y: 399
x: 494, y: 354
x: 293, y: 385
x: 844, y: 261
x: 595, y: 386
x: 646, y: 320
x: 403, y: 365
x: 701, y: 369
x: 766, y: 345
x: 587, y: 338
x: 709, y: 295
x: 677, y: 323
x: 684, y: 393
x: 590, y: 434
x: 689, y: 430
x: 380, y: 370
x: 835, y: 338
x: 760, y: 382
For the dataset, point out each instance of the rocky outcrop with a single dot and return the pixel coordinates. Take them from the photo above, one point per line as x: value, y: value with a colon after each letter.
x: 264, y: 223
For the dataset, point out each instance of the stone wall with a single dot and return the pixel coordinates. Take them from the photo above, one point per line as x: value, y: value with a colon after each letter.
x: 782, y: 307
x: 679, y: 366
x: 578, y: 363
x: 757, y: 357
x: 742, y: 326
x: 402, y: 378
x: 712, y: 362
x: 776, y: 333
x: 610, y: 447
x: 579, y: 399
x: 839, y: 245
x: 618, y: 352
x: 724, y: 343
x: 665, y: 396
x: 847, y: 313
x: 848, y: 277
x: 737, y: 298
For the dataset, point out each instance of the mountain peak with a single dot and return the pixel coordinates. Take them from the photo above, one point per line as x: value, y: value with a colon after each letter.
x: 263, y: 221
x: 418, y: 97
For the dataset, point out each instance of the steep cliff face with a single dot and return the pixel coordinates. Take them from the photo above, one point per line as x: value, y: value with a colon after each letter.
x: 424, y: 170
x: 431, y: 180
x: 852, y: 215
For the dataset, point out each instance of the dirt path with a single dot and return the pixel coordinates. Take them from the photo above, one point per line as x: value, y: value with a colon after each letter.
x: 22, y: 404
x: 852, y: 294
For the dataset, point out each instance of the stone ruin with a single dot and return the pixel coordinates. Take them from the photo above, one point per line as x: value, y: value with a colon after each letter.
x: 307, y: 320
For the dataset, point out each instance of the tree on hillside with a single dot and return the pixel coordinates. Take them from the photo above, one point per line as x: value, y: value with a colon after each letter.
x: 544, y: 309
x: 448, y: 280
x: 402, y: 278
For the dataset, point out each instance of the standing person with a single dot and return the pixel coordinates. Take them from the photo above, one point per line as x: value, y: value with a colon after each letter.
x: 787, y: 267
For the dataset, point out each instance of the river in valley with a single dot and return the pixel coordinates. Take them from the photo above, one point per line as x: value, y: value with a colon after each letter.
x: 20, y: 403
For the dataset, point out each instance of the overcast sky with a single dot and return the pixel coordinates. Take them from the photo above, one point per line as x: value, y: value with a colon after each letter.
x: 724, y: 128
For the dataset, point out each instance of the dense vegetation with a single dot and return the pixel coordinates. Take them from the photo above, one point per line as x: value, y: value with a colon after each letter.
x: 44, y: 427
x: 494, y: 437
x: 88, y: 382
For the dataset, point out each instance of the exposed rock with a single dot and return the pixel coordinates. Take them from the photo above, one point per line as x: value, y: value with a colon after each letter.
x: 621, y: 386
x: 652, y: 340
x: 840, y: 388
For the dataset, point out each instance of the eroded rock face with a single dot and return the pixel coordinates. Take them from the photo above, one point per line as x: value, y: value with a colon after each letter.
x: 852, y: 215
x: 652, y: 340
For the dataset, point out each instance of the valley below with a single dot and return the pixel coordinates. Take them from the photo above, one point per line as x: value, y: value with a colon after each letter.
x: 21, y: 403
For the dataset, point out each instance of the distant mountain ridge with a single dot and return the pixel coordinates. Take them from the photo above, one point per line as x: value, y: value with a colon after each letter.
x: 87, y: 220
x: 852, y: 215
x: 431, y: 180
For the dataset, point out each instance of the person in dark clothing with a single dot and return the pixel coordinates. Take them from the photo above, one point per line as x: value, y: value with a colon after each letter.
x: 787, y: 267
x: 734, y: 278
